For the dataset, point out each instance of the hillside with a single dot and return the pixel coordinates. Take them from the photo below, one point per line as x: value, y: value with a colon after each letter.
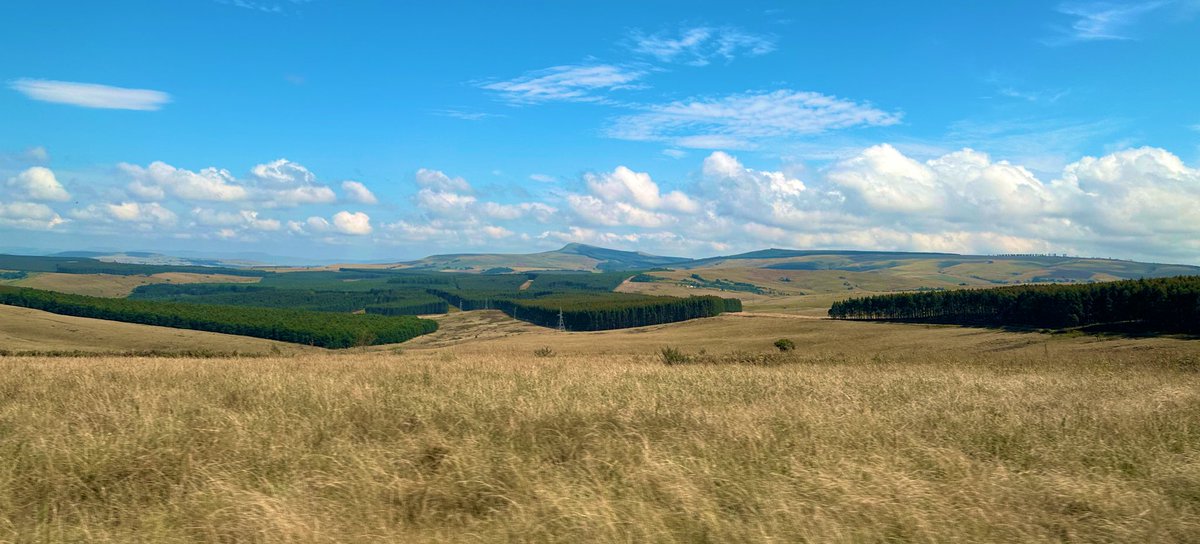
x: 938, y: 269
x: 23, y: 329
x: 580, y: 257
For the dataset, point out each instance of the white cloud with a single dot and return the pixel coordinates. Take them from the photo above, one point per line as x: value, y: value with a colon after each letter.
x: 39, y: 183
x: 1096, y: 21
x: 343, y: 222
x: 135, y: 212
x: 699, y: 45
x: 625, y: 185
x: 1143, y: 193
x: 304, y: 194
x: 279, y: 183
x: 243, y: 219
x: 568, y: 83
x: 285, y: 183
x: 142, y: 213
x: 356, y: 223
x: 439, y: 181
x: 543, y: 178
x: 29, y: 216
x: 283, y: 173
x: 510, y: 212
x: 357, y: 192
x: 675, y: 153
x: 740, y: 120
x: 91, y: 95
x: 158, y: 179
x: 497, y: 232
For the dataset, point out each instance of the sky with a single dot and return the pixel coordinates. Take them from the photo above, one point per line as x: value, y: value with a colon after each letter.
x: 384, y: 131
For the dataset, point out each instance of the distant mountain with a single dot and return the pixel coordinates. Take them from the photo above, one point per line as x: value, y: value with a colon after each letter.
x: 580, y: 257
x: 936, y: 269
x: 150, y: 258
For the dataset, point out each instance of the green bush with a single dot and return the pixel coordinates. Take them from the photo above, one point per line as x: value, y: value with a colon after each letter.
x: 785, y: 345
x: 673, y: 356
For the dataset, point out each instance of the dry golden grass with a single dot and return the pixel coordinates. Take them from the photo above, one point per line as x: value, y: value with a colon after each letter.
x: 934, y: 435
x: 108, y: 285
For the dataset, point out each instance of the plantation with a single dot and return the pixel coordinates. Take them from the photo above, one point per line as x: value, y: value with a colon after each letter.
x: 1164, y: 304
x: 384, y: 301
x: 591, y: 311
x: 288, y: 325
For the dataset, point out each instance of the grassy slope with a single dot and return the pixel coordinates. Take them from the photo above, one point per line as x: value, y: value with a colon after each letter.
x: 107, y: 285
x: 23, y: 329
x: 1086, y: 444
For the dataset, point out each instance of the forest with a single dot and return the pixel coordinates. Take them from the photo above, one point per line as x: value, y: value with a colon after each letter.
x: 380, y: 301
x: 1162, y: 304
x: 583, y: 311
x: 328, y: 330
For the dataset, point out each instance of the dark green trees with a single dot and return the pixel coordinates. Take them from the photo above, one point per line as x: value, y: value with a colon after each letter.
x: 1165, y: 304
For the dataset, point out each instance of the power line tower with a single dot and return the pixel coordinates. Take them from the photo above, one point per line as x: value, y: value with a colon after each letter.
x: 562, y: 325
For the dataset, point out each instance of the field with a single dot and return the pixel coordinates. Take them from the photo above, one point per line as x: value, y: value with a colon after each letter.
x: 24, y: 329
x: 108, y: 285
x: 870, y: 432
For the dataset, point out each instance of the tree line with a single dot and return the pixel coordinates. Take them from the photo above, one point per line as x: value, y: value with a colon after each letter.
x: 385, y: 301
x: 327, y: 330
x: 591, y: 312
x: 1165, y: 304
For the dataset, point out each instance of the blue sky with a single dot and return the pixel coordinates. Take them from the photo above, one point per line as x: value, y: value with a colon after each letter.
x: 386, y: 130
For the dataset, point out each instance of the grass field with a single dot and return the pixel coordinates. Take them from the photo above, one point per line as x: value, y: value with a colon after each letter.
x: 872, y: 432
x: 108, y: 285
x: 23, y: 329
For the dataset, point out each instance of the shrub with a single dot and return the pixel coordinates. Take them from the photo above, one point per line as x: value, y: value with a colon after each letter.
x: 543, y: 351
x: 785, y: 344
x: 673, y: 356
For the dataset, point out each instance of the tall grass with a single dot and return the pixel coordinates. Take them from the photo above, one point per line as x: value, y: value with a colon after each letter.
x: 431, y: 446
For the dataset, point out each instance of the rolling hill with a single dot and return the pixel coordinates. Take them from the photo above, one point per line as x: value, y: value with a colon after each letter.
x: 579, y: 257
x: 937, y: 269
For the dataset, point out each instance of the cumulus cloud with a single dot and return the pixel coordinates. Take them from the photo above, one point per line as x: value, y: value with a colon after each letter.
x: 567, y: 83
x: 353, y: 223
x: 697, y: 46
x: 283, y: 173
x: 143, y: 214
x: 91, y: 95
x: 343, y: 222
x: 158, y: 179
x: 357, y: 192
x: 625, y: 185
x: 285, y: 183
x: 279, y: 183
x: 740, y: 120
x: 438, y: 181
x: 29, y: 216
x: 449, y: 198
x: 39, y: 183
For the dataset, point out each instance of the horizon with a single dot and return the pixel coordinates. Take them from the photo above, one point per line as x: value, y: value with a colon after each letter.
x: 383, y: 133
x: 268, y: 260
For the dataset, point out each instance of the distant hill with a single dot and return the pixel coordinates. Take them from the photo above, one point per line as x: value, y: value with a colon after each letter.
x: 150, y: 258
x: 580, y: 257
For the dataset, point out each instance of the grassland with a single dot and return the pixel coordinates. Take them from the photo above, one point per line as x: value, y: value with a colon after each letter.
x: 23, y: 329
x: 109, y: 285
x: 872, y: 432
